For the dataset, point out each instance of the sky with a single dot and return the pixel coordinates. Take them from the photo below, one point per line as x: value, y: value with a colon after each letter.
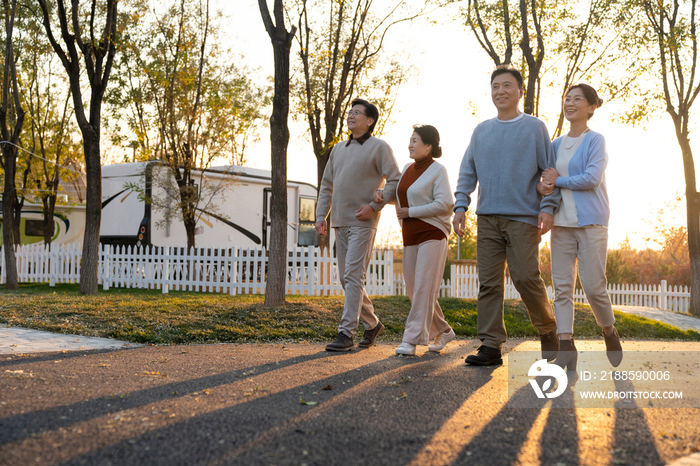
x: 450, y: 90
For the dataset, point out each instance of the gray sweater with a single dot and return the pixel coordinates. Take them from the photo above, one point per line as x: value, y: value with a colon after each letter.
x: 507, y: 159
x: 352, y: 174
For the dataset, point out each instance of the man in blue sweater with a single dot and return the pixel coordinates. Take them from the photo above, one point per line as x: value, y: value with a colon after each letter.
x: 506, y: 156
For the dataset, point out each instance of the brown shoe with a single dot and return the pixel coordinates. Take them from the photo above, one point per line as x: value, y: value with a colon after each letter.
x: 370, y: 336
x: 613, y: 348
x: 485, y: 356
x: 550, y: 345
x: 341, y: 343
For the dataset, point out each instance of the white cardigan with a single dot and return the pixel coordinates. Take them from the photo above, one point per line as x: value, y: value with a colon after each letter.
x: 430, y: 197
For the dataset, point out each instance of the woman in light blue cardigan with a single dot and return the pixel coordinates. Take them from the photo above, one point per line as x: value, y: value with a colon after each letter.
x: 580, y: 231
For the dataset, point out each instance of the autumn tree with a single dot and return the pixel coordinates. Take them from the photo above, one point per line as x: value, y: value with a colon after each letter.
x: 49, y: 140
x: 179, y: 100
x: 11, y: 122
x: 673, y: 26
x: 86, y: 50
x: 558, y: 44
x: 281, y: 39
x: 342, y: 54
x: 498, y: 26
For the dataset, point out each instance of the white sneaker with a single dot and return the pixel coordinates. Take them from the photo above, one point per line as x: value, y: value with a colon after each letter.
x: 442, y: 340
x: 406, y: 348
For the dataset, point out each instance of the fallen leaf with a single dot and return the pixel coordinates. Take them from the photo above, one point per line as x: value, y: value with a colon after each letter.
x: 328, y: 387
x: 308, y: 403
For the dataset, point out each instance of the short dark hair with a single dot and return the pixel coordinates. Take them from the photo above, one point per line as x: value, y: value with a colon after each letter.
x: 430, y: 136
x: 370, y: 110
x: 508, y: 68
x: 589, y: 93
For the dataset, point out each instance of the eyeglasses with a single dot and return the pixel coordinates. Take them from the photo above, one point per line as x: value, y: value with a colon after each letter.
x: 354, y: 113
x: 576, y: 100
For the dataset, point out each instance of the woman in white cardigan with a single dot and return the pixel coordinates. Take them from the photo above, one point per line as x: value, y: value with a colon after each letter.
x: 424, y: 207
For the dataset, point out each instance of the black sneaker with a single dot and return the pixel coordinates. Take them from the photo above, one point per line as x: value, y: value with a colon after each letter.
x: 550, y: 345
x: 485, y: 356
x: 341, y: 343
x: 370, y: 336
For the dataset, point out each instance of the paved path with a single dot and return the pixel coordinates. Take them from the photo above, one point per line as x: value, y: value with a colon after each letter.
x: 17, y: 340
x: 242, y: 404
x: 682, y: 321
x: 295, y: 404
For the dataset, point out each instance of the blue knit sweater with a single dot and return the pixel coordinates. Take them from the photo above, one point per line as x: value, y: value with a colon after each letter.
x: 507, y: 159
x: 587, y: 179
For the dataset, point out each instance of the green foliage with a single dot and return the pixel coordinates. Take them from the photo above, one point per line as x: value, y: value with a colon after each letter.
x: 183, y: 101
x: 161, y: 105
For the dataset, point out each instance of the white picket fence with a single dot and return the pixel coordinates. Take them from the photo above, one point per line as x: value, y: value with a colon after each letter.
x: 309, y: 272
x: 219, y: 270
x: 465, y: 284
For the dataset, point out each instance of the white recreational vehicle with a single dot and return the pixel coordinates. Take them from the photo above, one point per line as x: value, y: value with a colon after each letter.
x: 69, y: 224
x: 235, y: 215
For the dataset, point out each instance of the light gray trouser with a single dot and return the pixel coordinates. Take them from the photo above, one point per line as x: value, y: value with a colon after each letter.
x: 500, y: 240
x: 423, y: 266
x: 590, y: 246
x: 354, y: 248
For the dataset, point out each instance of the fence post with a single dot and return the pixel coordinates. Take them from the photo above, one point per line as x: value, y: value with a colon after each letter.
x: 389, y: 275
x: 453, y: 279
x: 165, y: 276
x: 106, y: 264
x: 663, y: 295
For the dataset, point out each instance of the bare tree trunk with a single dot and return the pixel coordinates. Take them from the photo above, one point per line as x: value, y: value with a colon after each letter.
x: 49, y: 203
x: 9, y: 149
x: 276, y: 287
x: 98, y: 49
x: 693, y: 206
x: 93, y: 213
x: 692, y: 198
x: 8, y: 201
x: 17, y: 220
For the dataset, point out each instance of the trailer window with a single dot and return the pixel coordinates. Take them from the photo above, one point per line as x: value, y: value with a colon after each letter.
x: 34, y: 227
x: 307, y: 220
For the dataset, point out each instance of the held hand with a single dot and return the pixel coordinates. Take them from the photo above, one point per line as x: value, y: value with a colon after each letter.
x: 545, y: 189
x: 321, y: 228
x: 550, y: 176
x: 402, y: 212
x: 378, y: 196
x: 545, y: 222
x: 458, y: 222
x: 364, y: 213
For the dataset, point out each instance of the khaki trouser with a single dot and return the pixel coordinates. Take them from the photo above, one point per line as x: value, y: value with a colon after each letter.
x: 354, y: 248
x: 423, y: 266
x: 499, y: 241
x: 590, y: 246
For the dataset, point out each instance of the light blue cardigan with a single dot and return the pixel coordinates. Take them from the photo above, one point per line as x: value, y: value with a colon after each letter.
x: 587, y: 179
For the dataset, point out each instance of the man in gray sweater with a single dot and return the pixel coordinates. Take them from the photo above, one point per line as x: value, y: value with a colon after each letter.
x: 355, y: 169
x: 506, y: 156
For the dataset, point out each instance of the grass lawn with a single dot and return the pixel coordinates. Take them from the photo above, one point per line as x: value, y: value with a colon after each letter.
x: 145, y: 316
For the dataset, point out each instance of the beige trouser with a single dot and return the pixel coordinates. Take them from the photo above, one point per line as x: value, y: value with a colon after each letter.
x: 590, y: 246
x: 500, y: 240
x: 423, y: 266
x: 354, y: 249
